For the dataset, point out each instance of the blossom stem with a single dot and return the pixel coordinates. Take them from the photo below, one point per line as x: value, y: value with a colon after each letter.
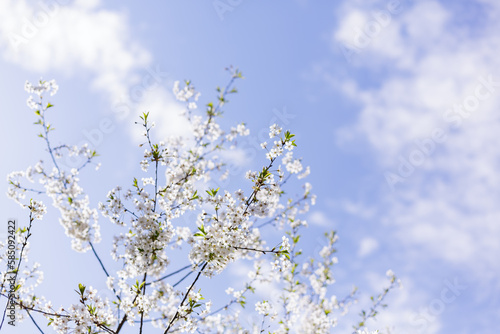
x: 185, y: 297
x: 102, y: 266
x: 263, y: 251
x: 125, y: 317
x: 143, y: 293
x: 259, y: 184
x: 25, y: 242
x: 283, y: 212
x: 98, y: 259
x: 33, y: 319
x: 46, y: 137
x: 262, y: 324
x: 182, y: 279
x: 171, y: 274
x: 84, y: 164
x: 27, y: 189
x: 156, y: 185
x: 27, y: 308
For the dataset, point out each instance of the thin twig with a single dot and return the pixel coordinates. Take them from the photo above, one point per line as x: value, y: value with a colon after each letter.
x: 143, y: 293
x: 37, y: 310
x: 171, y: 274
x: 98, y: 259
x: 20, y: 260
x: 125, y: 317
x: 185, y: 297
x: 32, y: 319
x: 103, y: 267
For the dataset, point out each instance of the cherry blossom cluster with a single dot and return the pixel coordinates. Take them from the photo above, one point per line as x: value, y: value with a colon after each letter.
x: 27, y: 277
x: 174, y: 212
x: 79, y: 220
x: 90, y: 314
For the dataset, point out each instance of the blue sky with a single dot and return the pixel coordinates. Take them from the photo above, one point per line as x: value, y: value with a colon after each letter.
x: 394, y: 108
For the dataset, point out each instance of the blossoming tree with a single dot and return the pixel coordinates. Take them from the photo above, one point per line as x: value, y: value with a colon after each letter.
x: 230, y: 226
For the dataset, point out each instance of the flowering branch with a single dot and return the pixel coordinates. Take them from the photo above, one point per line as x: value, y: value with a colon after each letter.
x: 377, y: 302
x: 36, y: 211
x: 151, y: 216
x: 184, y: 299
x: 40, y: 111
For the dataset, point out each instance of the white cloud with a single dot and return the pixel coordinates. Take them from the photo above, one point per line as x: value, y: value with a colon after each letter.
x: 264, y: 290
x: 78, y: 37
x: 408, y: 310
x: 358, y: 209
x: 319, y: 218
x: 367, y: 246
x: 423, y: 64
x: 165, y: 111
x: 350, y: 24
x: 83, y: 39
x: 438, y: 68
x: 237, y: 157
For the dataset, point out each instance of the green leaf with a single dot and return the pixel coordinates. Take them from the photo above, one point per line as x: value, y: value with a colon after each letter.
x: 21, y: 230
x: 202, y: 230
x: 212, y: 192
x: 285, y: 253
x: 81, y: 287
x: 288, y: 135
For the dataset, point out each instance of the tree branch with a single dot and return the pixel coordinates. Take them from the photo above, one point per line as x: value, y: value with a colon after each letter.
x: 185, y: 297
